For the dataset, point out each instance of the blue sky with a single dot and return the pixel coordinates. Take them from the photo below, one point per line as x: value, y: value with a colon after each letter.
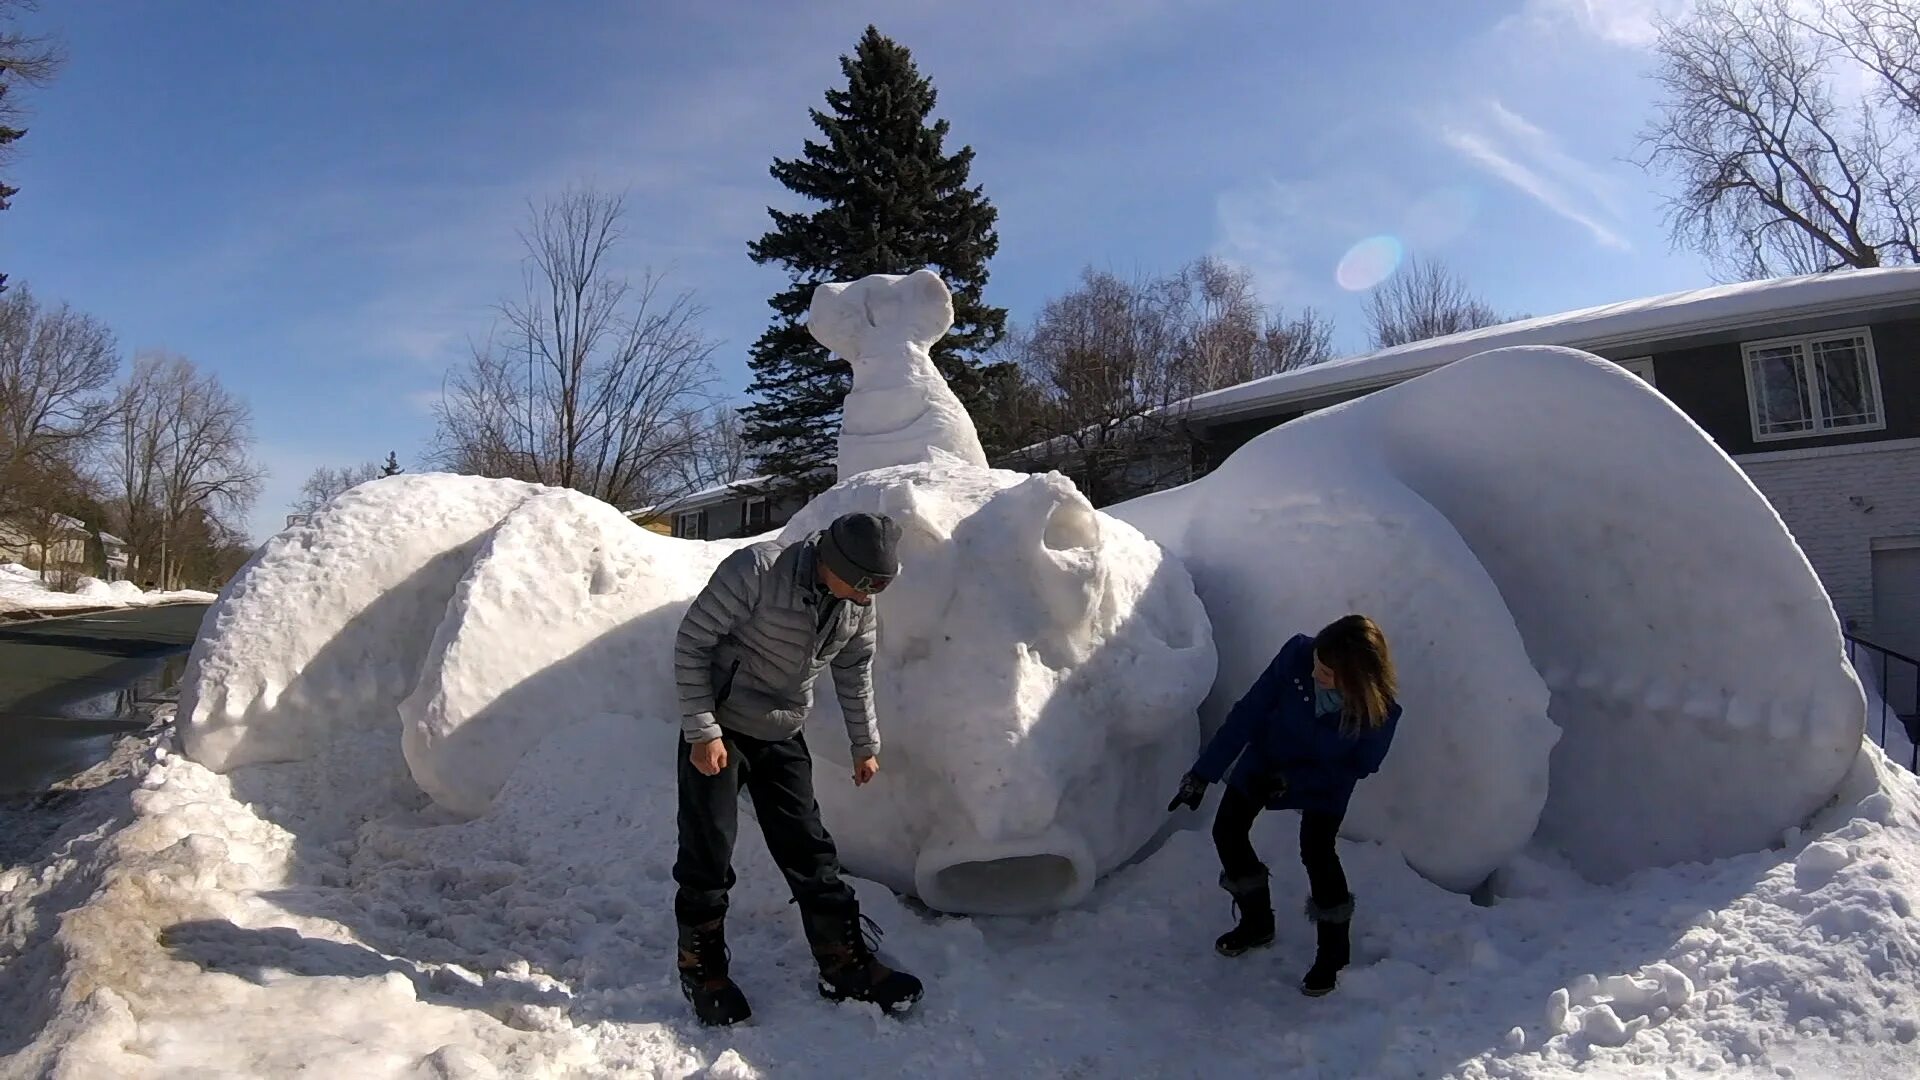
x: 319, y: 201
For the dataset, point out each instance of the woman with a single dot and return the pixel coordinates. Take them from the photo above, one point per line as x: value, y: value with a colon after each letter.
x: 1318, y: 719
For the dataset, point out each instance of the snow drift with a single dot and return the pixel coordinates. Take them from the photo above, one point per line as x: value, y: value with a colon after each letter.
x: 1536, y: 510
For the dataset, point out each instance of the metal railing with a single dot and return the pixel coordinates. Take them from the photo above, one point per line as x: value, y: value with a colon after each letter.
x: 1896, y: 680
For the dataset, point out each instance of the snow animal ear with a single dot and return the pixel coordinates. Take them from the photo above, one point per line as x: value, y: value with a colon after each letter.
x: 926, y: 307
x: 836, y: 319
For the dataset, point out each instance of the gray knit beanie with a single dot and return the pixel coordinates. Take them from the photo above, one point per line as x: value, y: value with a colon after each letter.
x: 860, y: 549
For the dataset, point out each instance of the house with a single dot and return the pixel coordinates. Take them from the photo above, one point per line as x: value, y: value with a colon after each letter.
x: 55, y: 544
x: 114, y: 558
x: 722, y: 512
x: 1811, y: 385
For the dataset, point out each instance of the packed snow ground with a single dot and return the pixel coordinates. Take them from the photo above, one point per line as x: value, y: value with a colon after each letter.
x: 213, y: 938
x: 21, y: 589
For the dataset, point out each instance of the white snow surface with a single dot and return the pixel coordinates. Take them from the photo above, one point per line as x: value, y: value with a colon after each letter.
x: 1039, y: 673
x: 1488, y: 517
x: 201, y: 937
x: 22, y: 590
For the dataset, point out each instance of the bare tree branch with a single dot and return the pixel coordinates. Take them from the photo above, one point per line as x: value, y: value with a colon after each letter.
x: 182, y: 457
x: 325, y: 484
x: 1777, y: 175
x: 1289, y: 343
x: 55, y: 367
x: 1422, y: 300
x: 594, y: 383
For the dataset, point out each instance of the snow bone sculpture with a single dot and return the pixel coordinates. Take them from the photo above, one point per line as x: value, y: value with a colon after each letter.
x: 1522, y: 511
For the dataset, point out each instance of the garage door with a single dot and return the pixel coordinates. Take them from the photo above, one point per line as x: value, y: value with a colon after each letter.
x: 1896, y: 613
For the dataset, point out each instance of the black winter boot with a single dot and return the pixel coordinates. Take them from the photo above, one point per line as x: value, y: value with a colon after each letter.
x: 843, y: 942
x: 716, y: 1000
x: 1253, y: 905
x: 1335, y: 947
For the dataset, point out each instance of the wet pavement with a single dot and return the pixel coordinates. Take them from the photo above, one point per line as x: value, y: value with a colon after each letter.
x: 70, y: 686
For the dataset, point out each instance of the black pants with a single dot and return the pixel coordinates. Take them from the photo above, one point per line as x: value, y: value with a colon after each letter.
x: 779, y: 778
x: 1232, y: 829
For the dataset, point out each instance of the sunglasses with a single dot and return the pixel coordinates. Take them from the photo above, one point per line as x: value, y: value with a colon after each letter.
x: 870, y: 583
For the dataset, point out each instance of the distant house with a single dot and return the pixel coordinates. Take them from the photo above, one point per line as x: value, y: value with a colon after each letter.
x: 1811, y: 385
x: 114, y: 557
x: 62, y: 548
x: 723, y: 512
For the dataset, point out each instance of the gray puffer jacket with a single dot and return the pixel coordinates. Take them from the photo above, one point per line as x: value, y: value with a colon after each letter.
x: 753, y: 641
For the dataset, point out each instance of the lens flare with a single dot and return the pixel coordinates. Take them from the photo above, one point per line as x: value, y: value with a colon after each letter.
x: 1368, y: 263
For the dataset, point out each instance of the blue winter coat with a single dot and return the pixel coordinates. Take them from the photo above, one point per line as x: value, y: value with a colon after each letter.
x: 1275, y: 725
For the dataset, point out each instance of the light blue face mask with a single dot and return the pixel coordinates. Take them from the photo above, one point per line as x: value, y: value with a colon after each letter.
x: 1326, y: 701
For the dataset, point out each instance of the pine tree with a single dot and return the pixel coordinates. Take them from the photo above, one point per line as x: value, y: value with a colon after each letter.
x: 893, y: 202
x: 392, y: 467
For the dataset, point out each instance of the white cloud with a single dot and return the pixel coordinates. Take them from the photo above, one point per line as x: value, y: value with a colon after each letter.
x: 1512, y: 148
x: 1626, y: 23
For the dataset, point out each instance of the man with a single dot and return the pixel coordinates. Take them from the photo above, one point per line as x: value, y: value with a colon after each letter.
x: 745, y: 661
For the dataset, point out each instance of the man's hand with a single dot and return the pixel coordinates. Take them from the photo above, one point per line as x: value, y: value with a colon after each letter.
x: 864, y: 769
x: 1192, y: 790
x: 709, y: 757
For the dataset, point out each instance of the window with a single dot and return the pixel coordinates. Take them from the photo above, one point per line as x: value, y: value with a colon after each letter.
x: 1813, y: 385
x: 757, y: 516
x: 690, y: 525
x: 1641, y: 366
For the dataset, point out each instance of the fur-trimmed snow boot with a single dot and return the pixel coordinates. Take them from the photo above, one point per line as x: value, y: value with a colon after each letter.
x: 1253, y: 907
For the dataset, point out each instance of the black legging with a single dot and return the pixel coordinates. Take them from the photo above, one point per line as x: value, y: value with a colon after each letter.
x: 1232, y: 828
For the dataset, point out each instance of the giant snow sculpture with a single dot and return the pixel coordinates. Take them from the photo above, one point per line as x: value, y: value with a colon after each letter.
x: 1685, y: 651
x: 1605, y: 634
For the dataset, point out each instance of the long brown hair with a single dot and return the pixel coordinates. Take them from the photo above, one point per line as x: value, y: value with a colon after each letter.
x: 1355, y: 650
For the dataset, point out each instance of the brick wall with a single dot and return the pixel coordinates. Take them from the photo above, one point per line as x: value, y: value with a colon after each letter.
x: 1837, y: 501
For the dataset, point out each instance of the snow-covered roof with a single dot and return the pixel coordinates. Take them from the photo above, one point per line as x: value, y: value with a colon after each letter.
x: 109, y: 538
x: 715, y: 493
x: 1606, y: 327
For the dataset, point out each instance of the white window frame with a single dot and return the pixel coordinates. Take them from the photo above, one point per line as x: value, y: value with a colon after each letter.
x: 1641, y: 366
x: 1821, y: 426
x: 746, y: 515
x: 681, y: 528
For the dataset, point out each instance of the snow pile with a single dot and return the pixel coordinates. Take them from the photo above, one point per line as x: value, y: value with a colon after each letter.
x: 1039, y: 672
x: 567, y: 610
x: 1486, y: 515
x: 324, y: 631
x: 21, y: 590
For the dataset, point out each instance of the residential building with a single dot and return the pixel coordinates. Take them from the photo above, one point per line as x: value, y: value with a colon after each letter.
x: 1811, y: 385
x: 723, y: 512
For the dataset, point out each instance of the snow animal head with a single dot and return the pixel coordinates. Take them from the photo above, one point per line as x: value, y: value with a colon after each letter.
x: 879, y: 314
x: 900, y: 409
x: 1039, y: 670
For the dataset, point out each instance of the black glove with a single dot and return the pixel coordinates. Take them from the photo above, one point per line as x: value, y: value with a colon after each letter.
x: 1192, y: 790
